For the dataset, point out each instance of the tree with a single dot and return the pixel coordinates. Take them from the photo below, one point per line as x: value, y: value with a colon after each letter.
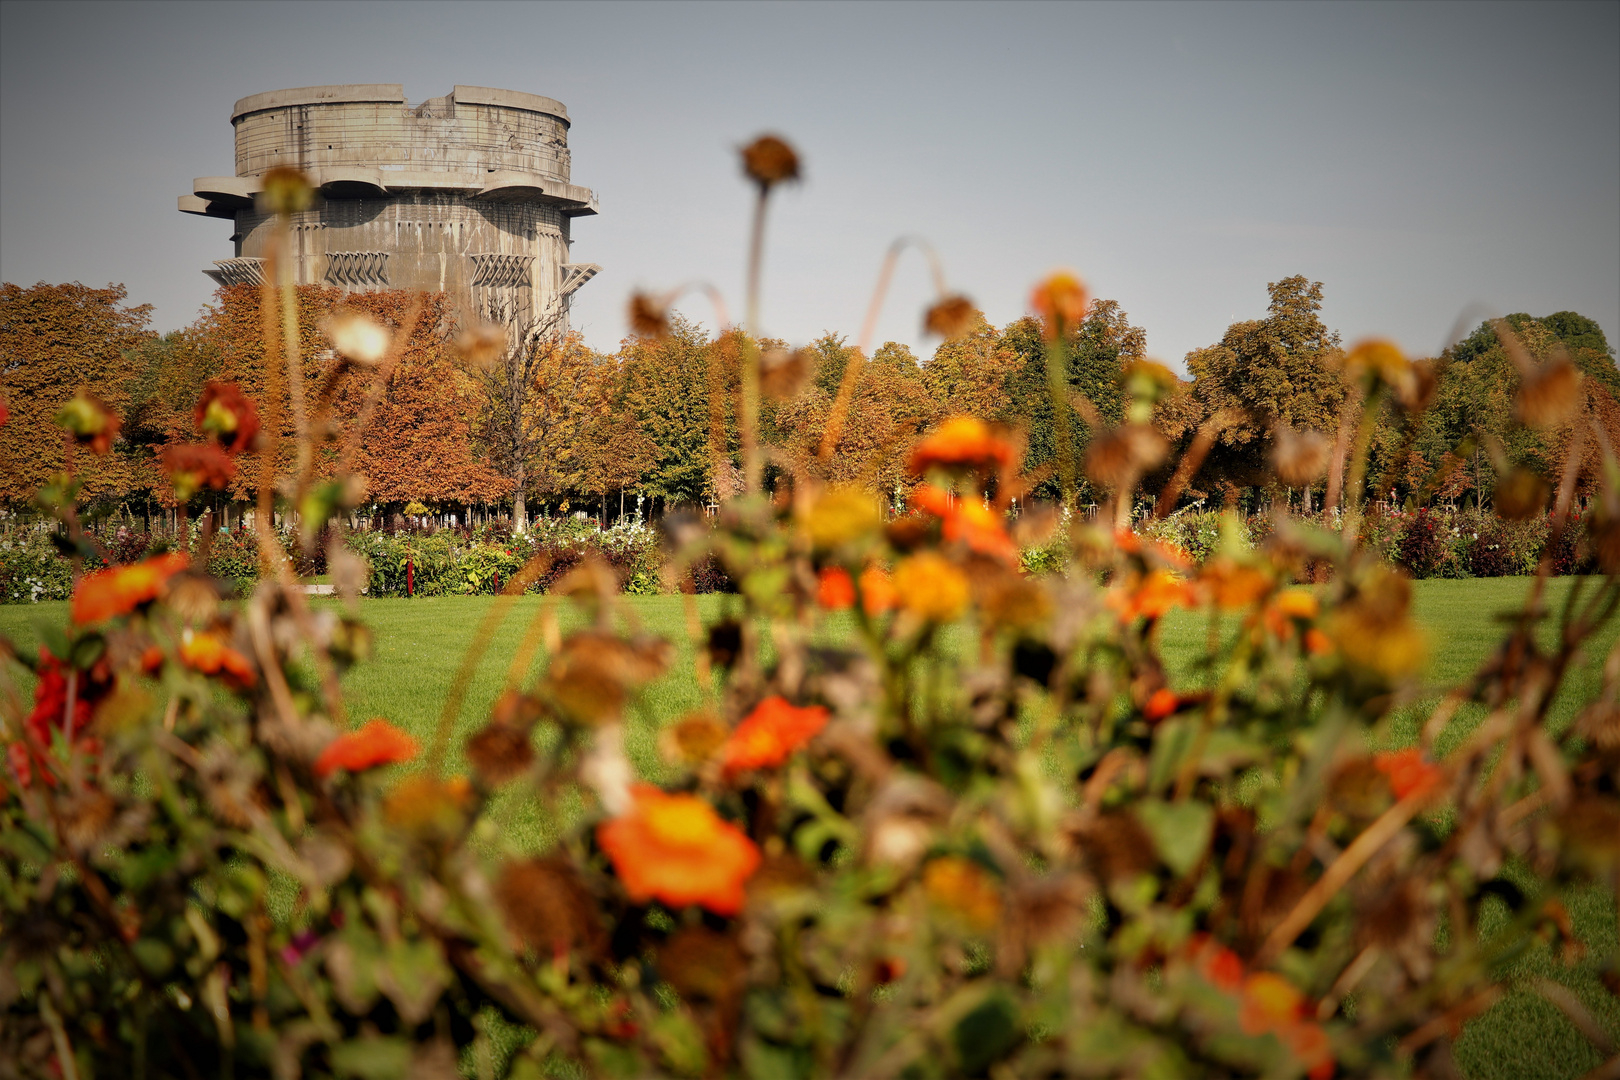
x: 56, y: 340
x: 613, y: 452
x: 1280, y: 370
x: 682, y: 390
x: 969, y: 374
x: 1097, y: 351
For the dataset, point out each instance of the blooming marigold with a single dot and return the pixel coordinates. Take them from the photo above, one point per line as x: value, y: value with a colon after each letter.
x: 1232, y: 585
x: 931, y: 586
x: 378, y: 743
x: 90, y: 422
x: 1408, y: 773
x: 1317, y: 643
x: 192, y: 466
x: 1061, y: 302
x: 208, y: 654
x: 675, y: 849
x: 121, y: 589
x: 960, y: 442
x: 835, y: 589
x: 769, y: 734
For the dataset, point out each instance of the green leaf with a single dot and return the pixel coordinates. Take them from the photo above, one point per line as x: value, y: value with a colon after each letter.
x: 1181, y: 831
x: 376, y: 1058
x: 986, y: 1034
x: 154, y: 956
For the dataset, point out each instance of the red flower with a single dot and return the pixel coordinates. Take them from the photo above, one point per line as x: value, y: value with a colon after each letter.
x: 90, y: 422
x: 378, y: 743
x: 835, y: 589
x: 677, y: 850
x: 225, y: 413
x: 1408, y: 773
x: 770, y: 734
x: 50, y: 712
x: 122, y: 589
x: 1219, y: 966
x: 191, y: 466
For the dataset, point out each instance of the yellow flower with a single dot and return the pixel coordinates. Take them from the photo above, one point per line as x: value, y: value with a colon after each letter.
x: 931, y: 586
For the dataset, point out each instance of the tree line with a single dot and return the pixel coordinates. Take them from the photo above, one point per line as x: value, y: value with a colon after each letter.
x: 550, y: 425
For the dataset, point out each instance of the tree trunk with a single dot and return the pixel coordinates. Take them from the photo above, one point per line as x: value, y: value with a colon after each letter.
x: 520, y: 510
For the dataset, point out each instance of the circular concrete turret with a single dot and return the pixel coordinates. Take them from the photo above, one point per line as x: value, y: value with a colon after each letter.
x: 467, y: 194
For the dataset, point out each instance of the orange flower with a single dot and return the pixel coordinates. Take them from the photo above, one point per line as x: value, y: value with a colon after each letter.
x: 378, y: 743
x: 675, y: 849
x: 1408, y: 773
x: 1287, y: 606
x: 877, y: 591
x: 968, y: 521
x: 1232, y: 585
x: 769, y: 734
x: 428, y: 806
x: 960, y: 442
x: 1318, y: 643
x: 931, y: 586
x: 835, y: 589
x: 211, y: 656
x: 1162, y: 703
x: 122, y: 589
x: 90, y: 422
x: 151, y: 659
x: 1151, y: 597
x: 1061, y: 302
x: 964, y: 887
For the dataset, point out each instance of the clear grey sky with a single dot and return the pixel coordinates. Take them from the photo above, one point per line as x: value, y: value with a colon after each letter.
x: 1425, y: 161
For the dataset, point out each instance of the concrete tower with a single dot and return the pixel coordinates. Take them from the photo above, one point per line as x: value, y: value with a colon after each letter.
x: 466, y: 194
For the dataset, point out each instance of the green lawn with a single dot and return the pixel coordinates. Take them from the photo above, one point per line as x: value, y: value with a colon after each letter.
x: 419, y: 644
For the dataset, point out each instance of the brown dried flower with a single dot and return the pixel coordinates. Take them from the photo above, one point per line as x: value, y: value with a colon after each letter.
x: 547, y: 906
x: 1300, y: 457
x: 694, y: 738
x: 952, y: 317
x: 481, y: 344
x: 1520, y: 495
x: 1549, y: 394
x: 500, y: 752
x: 782, y: 373
x: 1417, y: 389
x: 769, y: 161
x: 594, y: 673
x: 1114, y: 457
x: 649, y: 316
x: 286, y: 191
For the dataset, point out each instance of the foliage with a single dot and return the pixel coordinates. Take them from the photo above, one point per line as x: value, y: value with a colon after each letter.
x: 1035, y: 855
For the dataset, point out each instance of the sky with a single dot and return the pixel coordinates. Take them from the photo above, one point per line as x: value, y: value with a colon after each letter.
x: 1431, y: 164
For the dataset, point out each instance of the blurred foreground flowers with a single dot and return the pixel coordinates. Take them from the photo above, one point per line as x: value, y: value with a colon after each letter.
x: 973, y: 827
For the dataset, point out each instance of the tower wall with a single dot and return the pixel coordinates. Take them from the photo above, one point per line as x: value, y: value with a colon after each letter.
x: 468, y: 194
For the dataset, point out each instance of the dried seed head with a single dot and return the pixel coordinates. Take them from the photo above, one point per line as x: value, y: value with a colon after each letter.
x: 546, y: 905
x: 769, y: 161
x: 1061, y: 301
x: 1300, y: 457
x: 1116, y: 456
x: 782, y: 373
x: 499, y: 752
x: 1417, y: 390
x: 286, y: 191
x: 694, y: 738
x: 649, y: 316
x: 481, y: 345
x: 85, y: 818
x: 951, y: 318
x: 704, y: 965
x: 358, y: 338
x: 1520, y: 495
x: 1549, y: 394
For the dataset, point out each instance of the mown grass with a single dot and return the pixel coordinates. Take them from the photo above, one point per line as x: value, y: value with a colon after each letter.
x: 419, y: 644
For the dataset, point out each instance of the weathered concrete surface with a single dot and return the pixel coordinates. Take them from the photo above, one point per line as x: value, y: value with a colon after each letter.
x: 468, y: 194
